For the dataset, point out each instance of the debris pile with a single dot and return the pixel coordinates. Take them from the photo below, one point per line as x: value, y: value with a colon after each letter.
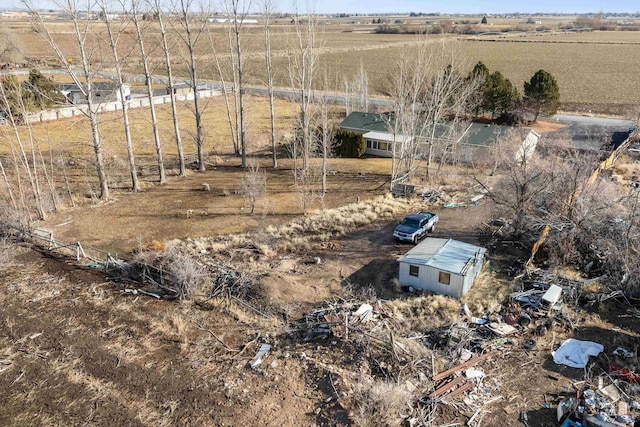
x: 341, y: 319
x: 607, y: 400
x: 407, y: 360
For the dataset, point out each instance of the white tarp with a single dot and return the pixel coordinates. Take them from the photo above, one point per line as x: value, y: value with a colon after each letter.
x: 575, y: 353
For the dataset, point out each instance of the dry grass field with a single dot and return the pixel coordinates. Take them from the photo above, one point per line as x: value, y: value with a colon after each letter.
x: 609, y: 37
x: 596, y: 70
x: 73, y: 135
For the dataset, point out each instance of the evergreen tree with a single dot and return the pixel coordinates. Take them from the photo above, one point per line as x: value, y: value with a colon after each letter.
x: 480, y: 73
x: 499, y: 94
x: 543, y: 92
x: 14, y: 100
x: 44, y: 90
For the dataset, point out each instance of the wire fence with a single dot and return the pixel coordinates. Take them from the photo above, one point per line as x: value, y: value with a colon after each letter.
x: 157, y: 281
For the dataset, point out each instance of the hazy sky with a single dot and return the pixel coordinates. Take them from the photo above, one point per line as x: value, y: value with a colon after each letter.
x: 443, y: 6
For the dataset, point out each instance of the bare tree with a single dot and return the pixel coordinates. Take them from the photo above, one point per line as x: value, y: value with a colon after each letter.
x: 326, y: 141
x: 114, y: 37
x: 235, y: 88
x: 50, y: 181
x: 170, y: 86
x: 446, y: 93
x: 231, y: 113
x: 135, y: 11
x: 429, y: 92
x: 81, y: 21
x: 190, y: 36
x: 303, y: 61
x: 357, y: 92
x: 237, y: 11
x: 254, y: 185
x: 13, y: 106
x: 267, y: 16
x: 11, y: 49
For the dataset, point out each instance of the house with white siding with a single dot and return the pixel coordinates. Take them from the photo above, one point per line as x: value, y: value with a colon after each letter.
x: 444, y: 266
x: 473, y: 142
x: 102, y: 92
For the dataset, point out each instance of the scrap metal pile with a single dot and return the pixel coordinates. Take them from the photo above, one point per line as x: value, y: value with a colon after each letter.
x: 606, y: 400
x: 372, y: 327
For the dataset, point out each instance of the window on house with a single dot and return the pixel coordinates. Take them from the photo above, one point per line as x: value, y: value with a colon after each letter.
x: 383, y: 146
x: 369, y: 143
x: 444, y: 278
x: 414, y: 270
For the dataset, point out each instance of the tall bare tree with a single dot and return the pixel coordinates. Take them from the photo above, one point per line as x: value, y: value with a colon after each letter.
x: 231, y: 109
x: 170, y: 85
x: 193, y: 27
x: 13, y: 106
x: 114, y: 38
x: 325, y: 141
x: 237, y: 11
x: 446, y: 94
x: 136, y: 17
x: 357, y: 92
x: 429, y: 92
x: 268, y: 7
x: 302, y: 56
x: 81, y: 19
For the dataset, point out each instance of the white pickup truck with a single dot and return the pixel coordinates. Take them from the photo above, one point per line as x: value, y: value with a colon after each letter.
x: 415, y: 226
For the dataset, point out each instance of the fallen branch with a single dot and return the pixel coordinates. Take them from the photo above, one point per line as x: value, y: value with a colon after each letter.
x: 215, y: 336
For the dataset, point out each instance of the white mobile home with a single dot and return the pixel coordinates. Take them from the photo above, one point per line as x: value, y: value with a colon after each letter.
x: 443, y: 266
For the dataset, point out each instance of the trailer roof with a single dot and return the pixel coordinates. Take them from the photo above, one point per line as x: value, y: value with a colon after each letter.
x: 448, y: 255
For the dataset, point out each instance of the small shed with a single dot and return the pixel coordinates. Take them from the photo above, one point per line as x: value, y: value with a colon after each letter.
x: 443, y: 266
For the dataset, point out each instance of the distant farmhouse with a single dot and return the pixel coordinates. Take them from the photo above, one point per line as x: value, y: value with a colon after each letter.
x: 476, y: 139
x: 102, y: 92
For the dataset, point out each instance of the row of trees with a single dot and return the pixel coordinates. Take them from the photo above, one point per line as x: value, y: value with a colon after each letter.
x: 183, y: 29
x: 106, y: 44
x: 497, y: 96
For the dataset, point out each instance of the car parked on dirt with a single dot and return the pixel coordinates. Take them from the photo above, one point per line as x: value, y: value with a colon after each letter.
x: 415, y: 226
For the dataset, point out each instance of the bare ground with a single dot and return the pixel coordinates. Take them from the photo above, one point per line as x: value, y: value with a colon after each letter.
x: 73, y: 349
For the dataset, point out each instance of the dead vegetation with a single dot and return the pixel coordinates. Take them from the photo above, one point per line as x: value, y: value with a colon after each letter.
x: 300, y: 234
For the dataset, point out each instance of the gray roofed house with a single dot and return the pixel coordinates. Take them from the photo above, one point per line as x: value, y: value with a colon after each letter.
x: 102, y: 92
x: 359, y: 122
x: 444, y: 266
x: 591, y: 138
x: 475, y: 139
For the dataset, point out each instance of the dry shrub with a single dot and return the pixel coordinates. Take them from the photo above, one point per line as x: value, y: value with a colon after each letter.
x: 329, y: 223
x: 190, y: 275
x: 487, y: 292
x: 424, y: 312
x: 154, y: 246
x: 301, y: 233
x: 379, y: 403
x: 264, y: 249
x: 7, y: 250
